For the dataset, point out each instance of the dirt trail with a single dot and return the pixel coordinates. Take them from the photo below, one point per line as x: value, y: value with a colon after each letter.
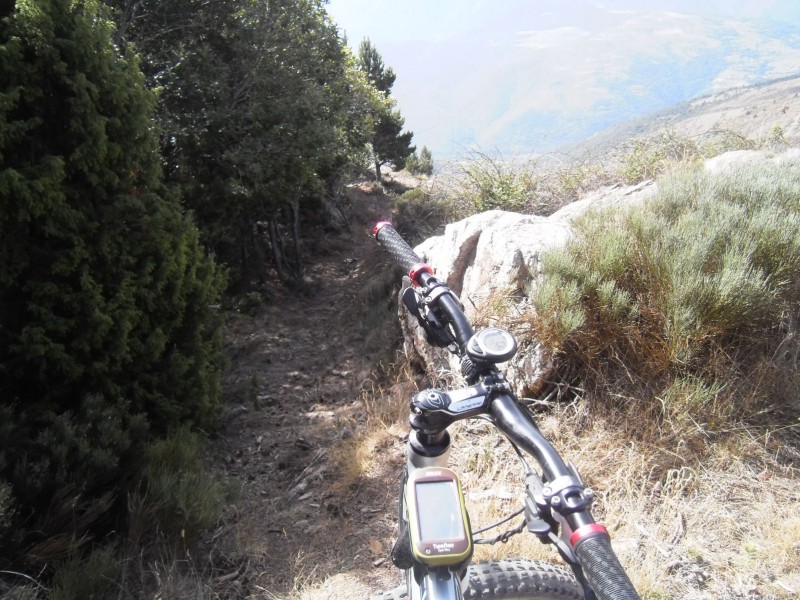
x: 293, y: 392
x: 304, y: 528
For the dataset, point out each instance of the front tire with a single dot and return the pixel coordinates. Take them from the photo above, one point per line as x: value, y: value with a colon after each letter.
x: 512, y: 579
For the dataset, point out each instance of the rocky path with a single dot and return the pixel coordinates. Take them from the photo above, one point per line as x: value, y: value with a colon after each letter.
x: 294, y: 405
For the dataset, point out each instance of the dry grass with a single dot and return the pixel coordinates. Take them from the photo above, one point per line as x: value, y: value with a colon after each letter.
x: 383, y: 422
x: 721, y: 523
x: 167, y: 573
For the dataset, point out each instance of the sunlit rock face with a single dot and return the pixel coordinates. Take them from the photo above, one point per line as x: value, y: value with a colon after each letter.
x: 489, y: 260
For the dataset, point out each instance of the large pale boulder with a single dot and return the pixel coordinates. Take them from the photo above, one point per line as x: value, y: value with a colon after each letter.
x: 496, y: 255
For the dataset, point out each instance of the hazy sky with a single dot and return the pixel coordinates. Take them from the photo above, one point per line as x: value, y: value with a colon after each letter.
x: 385, y: 21
x: 467, y: 70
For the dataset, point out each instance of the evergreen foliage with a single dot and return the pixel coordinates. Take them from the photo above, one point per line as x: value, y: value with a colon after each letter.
x: 419, y: 215
x: 390, y: 145
x: 694, y: 293
x: 177, y: 495
x: 93, y: 577
x: 422, y: 163
x: 490, y: 182
x: 378, y: 74
x: 109, y: 333
x: 263, y: 111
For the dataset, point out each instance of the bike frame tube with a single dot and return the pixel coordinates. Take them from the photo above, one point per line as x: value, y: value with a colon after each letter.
x: 436, y: 585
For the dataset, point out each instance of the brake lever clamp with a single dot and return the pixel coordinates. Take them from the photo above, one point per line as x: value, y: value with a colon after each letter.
x: 433, y: 292
x: 436, y: 333
x: 567, y: 495
x: 538, y: 519
x: 540, y: 522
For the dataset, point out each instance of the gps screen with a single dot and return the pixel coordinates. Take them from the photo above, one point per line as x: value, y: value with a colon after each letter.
x: 441, y: 517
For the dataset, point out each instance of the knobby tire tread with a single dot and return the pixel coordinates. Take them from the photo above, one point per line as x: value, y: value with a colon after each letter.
x: 512, y: 579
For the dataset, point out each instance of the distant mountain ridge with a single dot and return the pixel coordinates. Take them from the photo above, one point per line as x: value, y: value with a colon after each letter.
x: 751, y: 111
x: 539, y: 82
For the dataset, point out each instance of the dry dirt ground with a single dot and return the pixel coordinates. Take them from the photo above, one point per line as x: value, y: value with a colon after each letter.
x: 315, y: 471
x: 298, y: 372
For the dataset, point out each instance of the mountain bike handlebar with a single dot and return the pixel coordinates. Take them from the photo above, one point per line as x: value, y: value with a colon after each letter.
x: 422, y: 275
x: 564, y: 493
x: 401, y: 252
x: 603, y: 569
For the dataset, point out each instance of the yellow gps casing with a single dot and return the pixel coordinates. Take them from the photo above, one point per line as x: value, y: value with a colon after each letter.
x: 437, y: 517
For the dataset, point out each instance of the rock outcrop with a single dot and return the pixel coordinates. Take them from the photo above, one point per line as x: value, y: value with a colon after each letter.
x: 496, y: 255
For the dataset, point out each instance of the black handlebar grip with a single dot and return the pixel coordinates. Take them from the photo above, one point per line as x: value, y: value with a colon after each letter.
x: 602, y: 568
x: 401, y: 252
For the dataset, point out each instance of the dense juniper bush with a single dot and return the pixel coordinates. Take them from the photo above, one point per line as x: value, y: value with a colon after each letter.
x: 110, y: 333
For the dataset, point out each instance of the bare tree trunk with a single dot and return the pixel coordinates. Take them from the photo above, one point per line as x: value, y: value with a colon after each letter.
x: 259, y: 254
x: 126, y: 18
x: 378, y: 177
x: 294, y: 211
x: 277, y: 250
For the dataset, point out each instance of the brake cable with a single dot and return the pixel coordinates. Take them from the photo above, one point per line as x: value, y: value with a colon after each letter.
x: 506, y: 535
x: 503, y: 537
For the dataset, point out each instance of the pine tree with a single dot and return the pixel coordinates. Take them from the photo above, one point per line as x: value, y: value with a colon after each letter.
x: 421, y: 164
x: 109, y: 332
x: 378, y: 74
x: 390, y: 145
x: 425, y: 161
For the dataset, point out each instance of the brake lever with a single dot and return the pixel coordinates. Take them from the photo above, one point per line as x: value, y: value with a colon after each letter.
x: 436, y: 334
x: 539, y: 521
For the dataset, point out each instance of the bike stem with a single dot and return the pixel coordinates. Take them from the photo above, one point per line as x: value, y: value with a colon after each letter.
x: 563, y: 494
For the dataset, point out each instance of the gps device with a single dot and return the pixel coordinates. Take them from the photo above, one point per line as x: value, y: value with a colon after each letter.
x: 491, y: 345
x: 438, y: 520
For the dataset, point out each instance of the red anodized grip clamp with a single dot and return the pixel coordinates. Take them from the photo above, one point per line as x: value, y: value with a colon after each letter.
x: 416, y: 270
x: 378, y: 226
x: 586, y: 531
